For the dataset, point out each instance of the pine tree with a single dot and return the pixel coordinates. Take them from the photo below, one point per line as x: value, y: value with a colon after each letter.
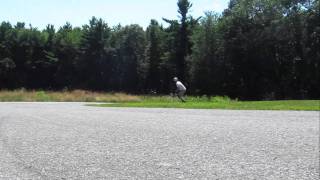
x: 95, y: 61
x: 154, y: 52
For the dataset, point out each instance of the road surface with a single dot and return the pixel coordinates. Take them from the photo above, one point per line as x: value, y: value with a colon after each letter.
x: 73, y: 141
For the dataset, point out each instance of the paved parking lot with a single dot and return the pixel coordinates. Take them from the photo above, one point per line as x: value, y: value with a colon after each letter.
x: 73, y: 141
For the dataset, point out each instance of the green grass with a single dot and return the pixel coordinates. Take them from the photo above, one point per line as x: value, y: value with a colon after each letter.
x: 126, y: 100
x: 219, y: 103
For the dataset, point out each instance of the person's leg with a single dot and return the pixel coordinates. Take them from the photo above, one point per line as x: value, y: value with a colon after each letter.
x: 180, y: 95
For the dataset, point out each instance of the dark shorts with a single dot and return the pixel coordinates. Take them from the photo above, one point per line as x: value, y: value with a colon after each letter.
x: 181, y: 93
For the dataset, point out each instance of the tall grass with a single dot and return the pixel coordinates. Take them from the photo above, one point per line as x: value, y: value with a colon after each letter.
x: 65, y: 96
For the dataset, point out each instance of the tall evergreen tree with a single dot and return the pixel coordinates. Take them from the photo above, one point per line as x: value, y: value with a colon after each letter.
x: 7, y: 65
x: 154, y: 52
x: 67, y: 44
x: 207, y: 70
x: 130, y: 59
x: 183, y: 42
x: 95, y: 61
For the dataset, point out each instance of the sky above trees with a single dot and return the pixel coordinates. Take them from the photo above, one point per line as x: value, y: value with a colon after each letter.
x: 41, y: 12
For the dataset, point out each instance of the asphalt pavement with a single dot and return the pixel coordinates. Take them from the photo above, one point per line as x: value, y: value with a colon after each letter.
x: 74, y: 141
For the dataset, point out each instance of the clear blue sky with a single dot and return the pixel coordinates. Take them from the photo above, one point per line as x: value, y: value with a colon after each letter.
x: 78, y: 12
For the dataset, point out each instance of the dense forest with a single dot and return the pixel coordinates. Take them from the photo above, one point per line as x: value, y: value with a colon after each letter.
x: 254, y: 49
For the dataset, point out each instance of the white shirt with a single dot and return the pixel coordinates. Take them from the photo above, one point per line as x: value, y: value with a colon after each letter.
x: 180, y: 86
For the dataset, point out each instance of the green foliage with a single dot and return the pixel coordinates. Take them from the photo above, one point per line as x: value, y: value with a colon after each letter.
x: 129, y: 71
x: 6, y: 64
x: 255, y: 49
x: 154, y: 52
x: 42, y: 96
x: 180, y: 43
x: 94, y: 65
x: 205, y: 60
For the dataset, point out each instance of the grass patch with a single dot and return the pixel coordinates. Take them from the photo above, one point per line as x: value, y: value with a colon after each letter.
x: 219, y: 103
x: 126, y: 100
x: 64, y: 96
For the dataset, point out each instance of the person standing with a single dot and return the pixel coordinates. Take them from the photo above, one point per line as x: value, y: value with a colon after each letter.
x: 181, y: 89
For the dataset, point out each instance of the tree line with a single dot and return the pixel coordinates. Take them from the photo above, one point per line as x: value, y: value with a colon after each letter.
x: 255, y: 49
